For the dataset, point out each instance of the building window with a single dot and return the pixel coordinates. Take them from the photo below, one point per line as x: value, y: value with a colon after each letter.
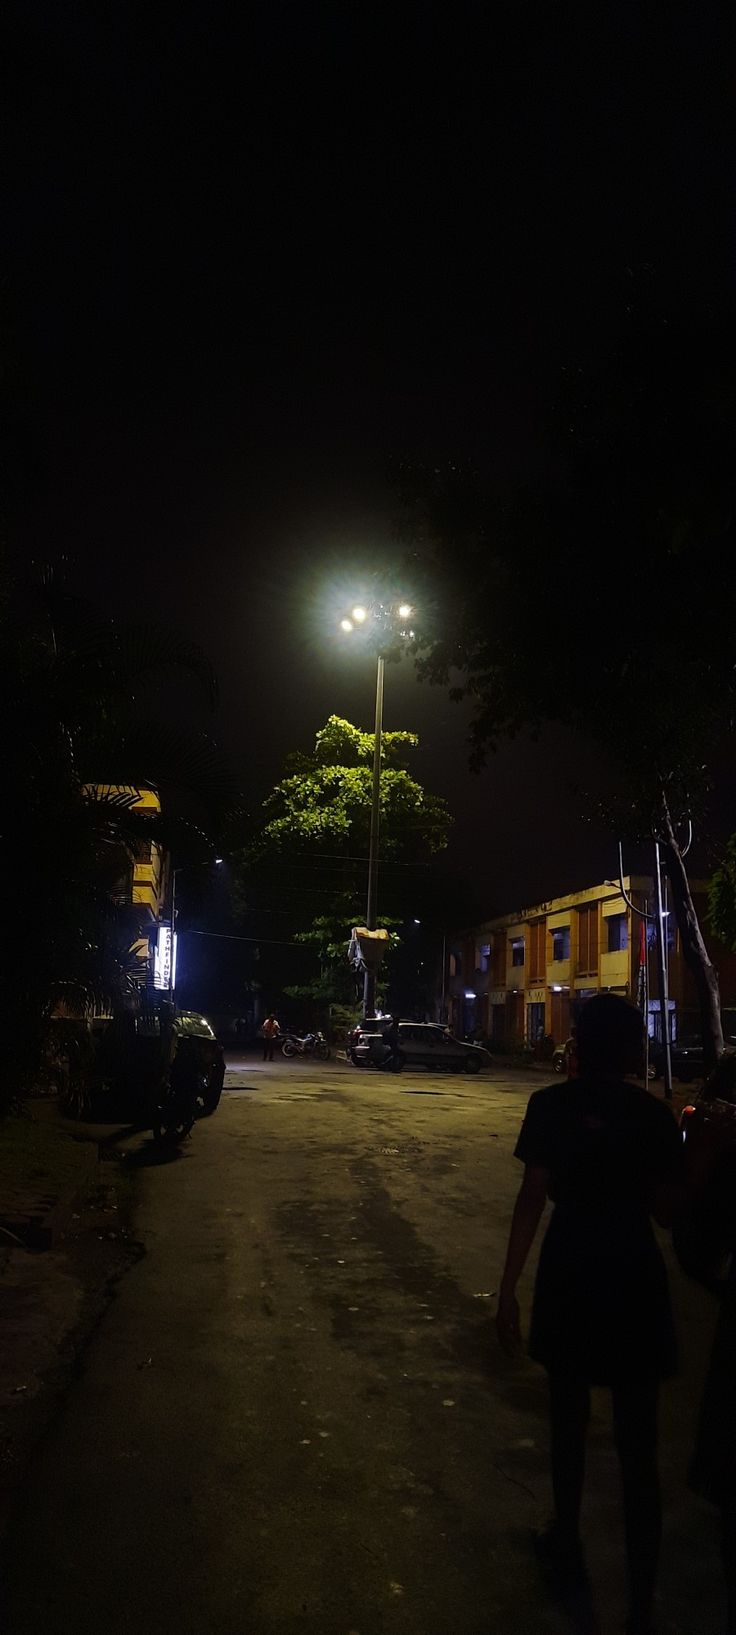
x: 537, y: 950
x: 587, y: 961
x: 561, y: 942
x: 618, y: 933
x: 517, y: 950
x: 484, y: 956
x: 456, y: 965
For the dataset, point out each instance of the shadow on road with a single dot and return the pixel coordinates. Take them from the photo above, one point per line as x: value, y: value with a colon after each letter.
x: 154, y: 1154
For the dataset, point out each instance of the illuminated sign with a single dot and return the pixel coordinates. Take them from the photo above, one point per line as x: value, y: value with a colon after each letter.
x: 164, y: 958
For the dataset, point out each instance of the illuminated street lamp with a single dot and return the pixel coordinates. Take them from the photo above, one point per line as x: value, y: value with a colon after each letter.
x: 388, y: 623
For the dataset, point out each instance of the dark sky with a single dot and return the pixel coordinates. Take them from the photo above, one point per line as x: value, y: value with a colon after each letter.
x: 258, y: 251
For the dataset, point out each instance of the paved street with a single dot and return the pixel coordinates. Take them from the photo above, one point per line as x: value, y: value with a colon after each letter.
x: 294, y: 1420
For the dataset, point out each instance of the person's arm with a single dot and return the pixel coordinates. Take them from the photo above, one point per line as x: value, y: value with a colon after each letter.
x: 527, y: 1214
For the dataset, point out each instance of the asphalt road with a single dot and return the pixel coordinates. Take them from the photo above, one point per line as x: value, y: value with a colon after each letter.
x: 294, y: 1420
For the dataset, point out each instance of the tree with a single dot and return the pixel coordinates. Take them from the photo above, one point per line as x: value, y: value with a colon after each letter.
x: 601, y: 595
x: 79, y: 711
x: 722, y: 897
x: 307, y: 861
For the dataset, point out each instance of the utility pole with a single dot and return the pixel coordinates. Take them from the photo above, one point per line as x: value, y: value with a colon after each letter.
x: 387, y: 625
x: 369, y: 980
x: 662, y: 973
x: 659, y: 920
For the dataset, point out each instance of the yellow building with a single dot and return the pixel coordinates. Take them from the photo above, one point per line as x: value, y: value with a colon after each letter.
x: 519, y: 977
x: 143, y: 884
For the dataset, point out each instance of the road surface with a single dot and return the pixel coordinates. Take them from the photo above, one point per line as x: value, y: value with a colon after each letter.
x: 293, y: 1419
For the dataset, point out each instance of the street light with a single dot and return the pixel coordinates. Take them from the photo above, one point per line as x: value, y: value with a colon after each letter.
x: 382, y: 619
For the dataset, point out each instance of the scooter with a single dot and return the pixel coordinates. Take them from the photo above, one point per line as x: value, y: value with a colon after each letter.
x: 312, y: 1044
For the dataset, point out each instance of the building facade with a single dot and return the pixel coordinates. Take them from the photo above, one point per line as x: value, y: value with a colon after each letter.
x: 143, y: 885
x: 520, y: 978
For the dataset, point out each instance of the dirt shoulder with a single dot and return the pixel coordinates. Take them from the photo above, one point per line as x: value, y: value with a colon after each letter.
x: 54, y: 1188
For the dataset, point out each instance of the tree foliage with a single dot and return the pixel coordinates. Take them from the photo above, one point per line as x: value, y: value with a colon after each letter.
x: 722, y: 897
x: 600, y: 594
x: 79, y: 704
x: 307, y: 861
x: 326, y: 803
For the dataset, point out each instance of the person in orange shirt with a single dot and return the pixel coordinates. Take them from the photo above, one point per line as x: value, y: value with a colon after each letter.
x: 271, y: 1032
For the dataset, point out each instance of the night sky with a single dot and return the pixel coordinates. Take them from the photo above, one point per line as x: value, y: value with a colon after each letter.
x: 258, y: 252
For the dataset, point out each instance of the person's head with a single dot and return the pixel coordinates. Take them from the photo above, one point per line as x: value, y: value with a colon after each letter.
x: 610, y: 1035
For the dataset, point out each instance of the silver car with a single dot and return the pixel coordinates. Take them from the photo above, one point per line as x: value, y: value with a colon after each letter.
x: 422, y: 1044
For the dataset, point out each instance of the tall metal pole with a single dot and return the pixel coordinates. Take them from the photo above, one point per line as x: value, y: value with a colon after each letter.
x: 172, y: 968
x: 664, y: 1002
x: 369, y: 981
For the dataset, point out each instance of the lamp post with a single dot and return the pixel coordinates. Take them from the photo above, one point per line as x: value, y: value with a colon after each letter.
x: 390, y: 624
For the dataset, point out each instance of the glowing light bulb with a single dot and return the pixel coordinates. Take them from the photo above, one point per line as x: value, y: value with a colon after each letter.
x: 404, y: 610
x: 346, y: 624
x: 359, y: 615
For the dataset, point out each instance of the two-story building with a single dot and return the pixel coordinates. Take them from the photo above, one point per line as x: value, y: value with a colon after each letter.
x: 520, y: 977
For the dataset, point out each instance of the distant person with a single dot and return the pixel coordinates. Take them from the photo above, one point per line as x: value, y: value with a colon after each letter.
x: 570, y: 1047
x: 271, y: 1032
x: 608, y: 1156
x: 391, y: 1037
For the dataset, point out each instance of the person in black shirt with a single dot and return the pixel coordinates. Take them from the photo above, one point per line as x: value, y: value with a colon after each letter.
x: 607, y: 1154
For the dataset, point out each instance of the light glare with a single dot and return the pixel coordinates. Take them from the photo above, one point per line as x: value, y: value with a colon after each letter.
x: 359, y: 615
x: 346, y: 624
x: 404, y: 610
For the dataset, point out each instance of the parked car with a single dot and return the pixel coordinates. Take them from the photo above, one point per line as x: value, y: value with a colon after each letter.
x: 686, y: 1056
x: 131, y: 1057
x: 712, y: 1111
x: 422, y: 1044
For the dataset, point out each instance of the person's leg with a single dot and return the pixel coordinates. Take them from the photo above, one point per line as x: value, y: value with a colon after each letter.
x: 635, y: 1431
x: 265, y: 1048
x: 569, y: 1401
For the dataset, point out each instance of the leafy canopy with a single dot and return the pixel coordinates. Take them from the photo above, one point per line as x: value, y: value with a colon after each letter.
x: 600, y: 594
x: 325, y: 800
x: 305, y: 868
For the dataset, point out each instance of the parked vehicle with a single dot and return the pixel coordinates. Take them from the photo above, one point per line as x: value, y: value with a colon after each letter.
x: 308, y: 1044
x: 175, y: 1097
x: 421, y: 1044
x: 132, y: 1061
x: 712, y: 1111
x: 686, y: 1057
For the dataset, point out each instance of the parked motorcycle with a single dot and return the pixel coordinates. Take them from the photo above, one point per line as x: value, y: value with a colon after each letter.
x: 311, y: 1044
x: 177, y: 1094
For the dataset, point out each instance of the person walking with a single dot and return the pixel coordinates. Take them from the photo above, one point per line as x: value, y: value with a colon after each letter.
x: 271, y: 1032
x: 608, y: 1156
x: 395, y: 1060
